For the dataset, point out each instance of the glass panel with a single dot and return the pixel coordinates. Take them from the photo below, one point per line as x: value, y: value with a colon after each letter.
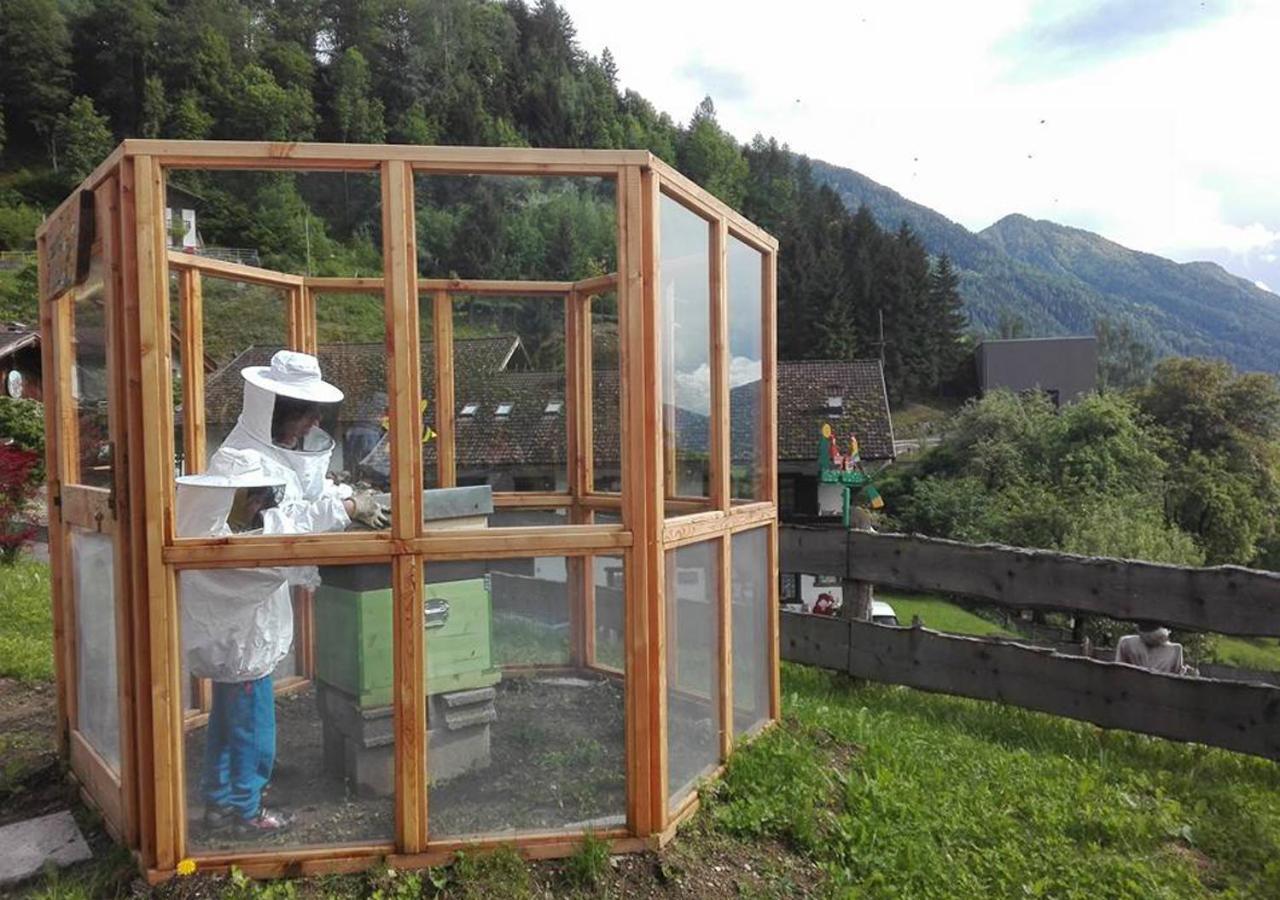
x: 749, y: 593
x: 504, y: 227
x: 293, y: 224
x: 606, y: 421
x: 746, y: 354
x: 302, y: 223
x: 97, y: 666
x: 351, y: 344
x: 325, y: 751
x: 693, y: 694
x: 92, y: 462
x: 610, y: 589
x: 508, y: 375
x: 516, y: 517
x: 512, y: 748
x: 685, y: 293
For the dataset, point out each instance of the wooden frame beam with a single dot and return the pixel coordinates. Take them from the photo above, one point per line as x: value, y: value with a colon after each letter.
x: 405, y: 435
x: 231, y: 271
x: 446, y: 402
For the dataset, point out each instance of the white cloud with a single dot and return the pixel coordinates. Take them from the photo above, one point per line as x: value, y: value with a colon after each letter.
x: 1264, y: 286
x: 1163, y: 142
x: 693, y: 387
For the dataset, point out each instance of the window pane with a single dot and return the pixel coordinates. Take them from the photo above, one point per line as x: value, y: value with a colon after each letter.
x: 325, y: 751
x: 523, y: 737
x: 89, y: 381
x: 508, y: 374
x: 610, y: 589
x: 306, y: 224
x: 97, y: 666
x: 746, y: 355
x: 505, y: 227
x: 351, y: 344
x: 693, y: 704
x: 749, y: 560
x: 685, y: 295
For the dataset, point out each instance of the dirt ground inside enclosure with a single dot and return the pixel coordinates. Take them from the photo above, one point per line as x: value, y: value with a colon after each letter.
x: 326, y: 810
x: 556, y: 762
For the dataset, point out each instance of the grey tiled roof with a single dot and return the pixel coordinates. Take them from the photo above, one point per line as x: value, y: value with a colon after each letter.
x: 529, y: 435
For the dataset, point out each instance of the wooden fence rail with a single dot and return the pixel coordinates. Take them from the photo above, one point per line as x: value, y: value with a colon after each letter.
x: 1234, y: 715
x: 1224, y: 599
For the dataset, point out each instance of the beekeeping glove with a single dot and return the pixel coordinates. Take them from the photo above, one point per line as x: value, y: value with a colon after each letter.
x: 368, y: 511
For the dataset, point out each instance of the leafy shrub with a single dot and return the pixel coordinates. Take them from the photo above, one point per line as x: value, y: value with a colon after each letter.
x: 17, y: 489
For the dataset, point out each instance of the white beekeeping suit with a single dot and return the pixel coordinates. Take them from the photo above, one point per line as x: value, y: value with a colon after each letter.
x: 312, y: 502
x: 237, y: 624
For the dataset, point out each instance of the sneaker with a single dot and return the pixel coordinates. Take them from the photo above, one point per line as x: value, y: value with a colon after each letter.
x: 265, y: 821
x: 217, y: 818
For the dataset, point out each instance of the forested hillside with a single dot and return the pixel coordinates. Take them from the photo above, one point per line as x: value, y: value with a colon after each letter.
x: 1039, y: 278
x: 75, y: 77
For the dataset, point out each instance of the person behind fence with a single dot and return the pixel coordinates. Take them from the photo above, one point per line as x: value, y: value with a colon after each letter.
x: 237, y: 624
x: 1151, y: 649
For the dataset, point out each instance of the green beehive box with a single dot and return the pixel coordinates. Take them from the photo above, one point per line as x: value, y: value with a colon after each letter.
x: 354, y: 616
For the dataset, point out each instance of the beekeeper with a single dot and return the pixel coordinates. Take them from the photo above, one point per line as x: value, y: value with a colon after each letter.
x: 237, y: 625
x: 283, y: 405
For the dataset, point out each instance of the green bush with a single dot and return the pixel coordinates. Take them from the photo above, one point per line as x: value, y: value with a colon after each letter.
x: 22, y: 423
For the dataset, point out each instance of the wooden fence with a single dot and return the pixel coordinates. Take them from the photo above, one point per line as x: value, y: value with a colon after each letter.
x: 1227, y: 599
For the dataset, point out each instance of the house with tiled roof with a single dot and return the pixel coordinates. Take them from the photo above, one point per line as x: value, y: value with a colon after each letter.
x: 510, y: 427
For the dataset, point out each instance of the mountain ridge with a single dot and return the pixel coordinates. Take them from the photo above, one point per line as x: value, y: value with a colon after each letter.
x: 1059, y: 279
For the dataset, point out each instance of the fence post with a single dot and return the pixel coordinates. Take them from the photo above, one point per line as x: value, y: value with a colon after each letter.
x: 857, y: 599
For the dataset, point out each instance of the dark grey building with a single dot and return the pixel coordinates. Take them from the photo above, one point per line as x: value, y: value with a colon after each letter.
x: 1062, y: 367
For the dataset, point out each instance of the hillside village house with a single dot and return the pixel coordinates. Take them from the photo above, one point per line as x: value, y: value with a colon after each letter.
x: 1063, y: 368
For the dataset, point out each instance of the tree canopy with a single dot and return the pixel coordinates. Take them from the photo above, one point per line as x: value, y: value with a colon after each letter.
x: 74, y: 78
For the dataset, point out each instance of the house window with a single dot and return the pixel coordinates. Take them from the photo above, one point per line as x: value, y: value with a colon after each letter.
x: 469, y: 410
x: 554, y: 407
x: 502, y: 410
x: 835, y: 405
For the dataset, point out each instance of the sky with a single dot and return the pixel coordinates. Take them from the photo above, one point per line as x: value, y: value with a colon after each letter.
x: 1151, y: 122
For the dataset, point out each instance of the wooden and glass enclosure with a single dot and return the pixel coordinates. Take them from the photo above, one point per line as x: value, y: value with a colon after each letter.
x: 585, y: 336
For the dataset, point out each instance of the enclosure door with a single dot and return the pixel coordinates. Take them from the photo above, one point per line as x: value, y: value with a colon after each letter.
x: 86, y: 409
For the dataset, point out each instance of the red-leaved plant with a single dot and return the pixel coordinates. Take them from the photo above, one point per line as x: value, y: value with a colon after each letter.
x: 17, y: 489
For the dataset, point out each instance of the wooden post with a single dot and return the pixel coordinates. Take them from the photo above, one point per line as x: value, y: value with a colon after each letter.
x: 405, y: 435
x: 725, y: 656
x: 157, y: 400
x: 446, y: 402
x: 642, y: 495
x: 191, y: 304
x: 49, y: 338
x: 720, y: 463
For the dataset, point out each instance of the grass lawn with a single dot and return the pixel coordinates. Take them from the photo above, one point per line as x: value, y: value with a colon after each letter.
x: 897, y: 793
x: 939, y: 614
x: 864, y: 790
x: 26, y: 622
x: 1249, y: 653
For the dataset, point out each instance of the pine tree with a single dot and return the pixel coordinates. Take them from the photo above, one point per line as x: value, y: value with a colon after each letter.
x: 357, y: 116
x: 35, y: 71
x: 85, y: 139
x: 946, y: 322
x: 155, y: 109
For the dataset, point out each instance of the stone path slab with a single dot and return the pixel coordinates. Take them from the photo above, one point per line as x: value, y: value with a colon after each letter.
x: 26, y: 846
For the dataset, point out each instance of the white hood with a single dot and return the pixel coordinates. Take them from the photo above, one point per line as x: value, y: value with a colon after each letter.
x: 310, y: 463
x: 203, y: 511
x: 237, y: 624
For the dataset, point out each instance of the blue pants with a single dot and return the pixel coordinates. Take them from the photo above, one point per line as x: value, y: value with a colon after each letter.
x: 240, y: 745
